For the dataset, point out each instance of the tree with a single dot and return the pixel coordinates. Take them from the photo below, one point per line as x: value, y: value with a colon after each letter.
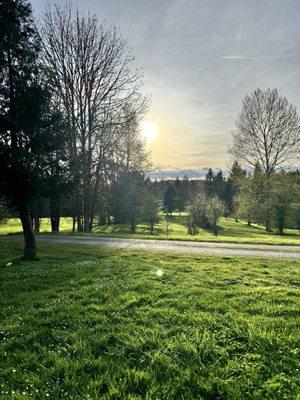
x: 235, y: 181
x: 268, y: 131
x: 24, y: 113
x: 170, y: 199
x: 219, y: 185
x: 209, y: 183
x: 283, y: 194
x: 197, y: 215
x: 4, y: 213
x: 205, y: 212
x: 127, y: 198
x: 93, y: 78
x: 151, y: 209
x: 253, y: 198
x: 214, y: 211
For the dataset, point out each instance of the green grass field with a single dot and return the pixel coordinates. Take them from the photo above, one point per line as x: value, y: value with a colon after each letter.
x: 84, y: 323
x: 230, y: 231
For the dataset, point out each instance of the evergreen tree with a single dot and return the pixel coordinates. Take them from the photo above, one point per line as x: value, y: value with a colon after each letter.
x: 209, y: 183
x: 179, y: 195
x: 170, y: 199
x: 219, y: 185
x: 24, y: 113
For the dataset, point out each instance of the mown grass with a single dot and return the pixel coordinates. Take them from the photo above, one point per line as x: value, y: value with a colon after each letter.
x: 85, y: 323
x: 230, y: 231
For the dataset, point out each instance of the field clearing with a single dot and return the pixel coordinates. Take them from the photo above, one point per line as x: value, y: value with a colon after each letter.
x: 100, y: 324
x: 230, y: 231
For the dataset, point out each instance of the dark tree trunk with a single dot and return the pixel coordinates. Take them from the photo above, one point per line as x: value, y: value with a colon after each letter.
x: 73, y: 223
x: 37, y: 223
x: 91, y: 223
x: 79, y: 224
x: 281, y: 225
x: 215, y: 229
x: 102, y: 219
x: 151, y: 227
x: 249, y: 222
x: 30, y: 246
x: 55, y: 213
x: 268, y: 223
x: 132, y: 225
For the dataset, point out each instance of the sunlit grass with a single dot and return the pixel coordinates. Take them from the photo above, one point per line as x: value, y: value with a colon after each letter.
x: 230, y: 231
x: 103, y: 324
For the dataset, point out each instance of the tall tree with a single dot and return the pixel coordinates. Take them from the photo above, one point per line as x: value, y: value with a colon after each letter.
x: 209, y: 183
x: 93, y: 77
x: 170, y: 199
x: 268, y: 131
x: 24, y: 113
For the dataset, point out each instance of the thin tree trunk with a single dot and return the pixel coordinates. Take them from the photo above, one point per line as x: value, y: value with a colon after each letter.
x: 132, y: 225
x: 268, y: 223
x: 55, y: 213
x: 37, y: 223
x: 30, y: 245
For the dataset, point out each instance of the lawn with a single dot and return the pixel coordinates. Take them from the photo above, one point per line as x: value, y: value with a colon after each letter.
x: 84, y: 323
x: 230, y: 231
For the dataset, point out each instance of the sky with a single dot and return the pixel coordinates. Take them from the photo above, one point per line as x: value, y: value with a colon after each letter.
x: 200, y: 58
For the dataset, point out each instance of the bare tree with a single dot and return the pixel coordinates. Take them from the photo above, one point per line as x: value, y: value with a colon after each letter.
x: 93, y: 76
x: 268, y: 131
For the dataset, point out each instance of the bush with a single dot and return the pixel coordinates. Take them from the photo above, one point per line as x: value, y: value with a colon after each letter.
x: 150, y: 209
x: 204, y: 212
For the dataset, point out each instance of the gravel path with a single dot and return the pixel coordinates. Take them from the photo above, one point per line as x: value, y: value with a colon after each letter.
x: 230, y: 249
x: 178, y: 246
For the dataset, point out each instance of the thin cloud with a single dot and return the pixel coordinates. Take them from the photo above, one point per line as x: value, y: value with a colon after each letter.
x: 239, y: 57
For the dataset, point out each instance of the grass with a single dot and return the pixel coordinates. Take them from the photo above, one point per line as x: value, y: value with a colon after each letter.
x: 230, y: 231
x: 84, y: 323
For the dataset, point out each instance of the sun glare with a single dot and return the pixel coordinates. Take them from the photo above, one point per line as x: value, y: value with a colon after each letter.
x: 149, y: 130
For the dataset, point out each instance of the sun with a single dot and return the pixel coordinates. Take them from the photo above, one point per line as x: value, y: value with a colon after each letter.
x: 149, y: 130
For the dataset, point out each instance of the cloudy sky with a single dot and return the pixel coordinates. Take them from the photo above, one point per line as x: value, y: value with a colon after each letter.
x: 200, y: 58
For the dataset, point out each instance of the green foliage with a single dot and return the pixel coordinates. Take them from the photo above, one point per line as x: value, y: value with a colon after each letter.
x: 205, y: 212
x: 170, y: 199
x: 214, y: 211
x: 127, y: 197
x: 4, y: 213
x: 151, y: 209
x: 85, y: 323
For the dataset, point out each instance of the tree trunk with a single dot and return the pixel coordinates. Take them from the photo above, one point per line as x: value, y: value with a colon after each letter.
x: 268, y: 223
x: 55, y: 213
x: 79, y: 224
x: 249, y: 222
x: 73, y: 223
x: 281, y: 225
x: 30, y: 246
x: 132, y: 225
x: 91, y: 223
x: 215, y: 229
x: 151, y: 227
x: 102, y: 219
x: 37, y: 223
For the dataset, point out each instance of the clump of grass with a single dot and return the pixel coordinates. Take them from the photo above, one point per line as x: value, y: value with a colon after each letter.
x: 86, y: 323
